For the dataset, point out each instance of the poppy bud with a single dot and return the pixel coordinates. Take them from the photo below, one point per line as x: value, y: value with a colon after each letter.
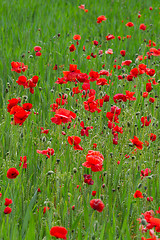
x: 50, y: 172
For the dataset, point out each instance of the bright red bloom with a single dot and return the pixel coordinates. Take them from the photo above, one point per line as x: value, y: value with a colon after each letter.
x: 106, y: 98
x: 145, y: 94
x: 129, y: 24
x: 49, y: 152
x: 123, y: 53
x: 126, y: 62
x: 134, y: 72
x: 97, y: 204
x: 54, y: 107
x: 101, y: 18
x: 119, y: 97
x: 91, y: 105
x: 77, y: 37
x: 58, y: 232
x: 7, y: 210
x: 129, y: 96
x: 7, y: 201
x: 61, y: 80
x: 152, y: 100
x: 72, y: 48
x: 37, y: 48
x: 38, y: 54
x: 88, y: 179
x: 22, y: 80
x: 112, y: 117
x: 84, y: 130
x: 148, y: 87
x: 18, y: 67
x: 95, y: 42
x: 45, y: 131
x: 142, y: 27
x: 20, y: 116
x: 63, y: 116
x: 74, y: 140
x: 94, y: 160
x: 150, y: 72
x: 145, y: 122
x: 109, y: 37
x: 24, y: 161
x: 145, y: 173
x: 154, y: 51
x: 129, y: 78
x: 138, y: 194
x: 27, y: 106
x: 12, y: 173
x: 102, y: 81
x: 153, y: 137
x: 115, y: 110
x: 94, y: 75
x: 45, y: 209
x: 137, y: 142
x: 93, y: 193
x: 12, y: 102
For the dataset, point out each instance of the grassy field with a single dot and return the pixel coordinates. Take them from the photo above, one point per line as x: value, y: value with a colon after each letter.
x: 60, y: 177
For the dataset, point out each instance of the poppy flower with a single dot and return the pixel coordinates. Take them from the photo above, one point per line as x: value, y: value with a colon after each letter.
x: 154, y: 52
x: 129, y: 96
x: 137, y: 142
x: 129, y: 24
x: 58, y: 232
x: 18, y: 67
x: 72, y: 48
x: 84, y: 130
x: 106, y: 98
x: 138, y: 194
x: 109, y: 37
x: 24, y: 161
x: 12, y: 102
x: 145, y: 122
x: 94, y: 75
x: 153, y: 137
x: 27, y: 106
x: 7, y: 210
x: 63, y: 116
x: 7, y: 201
x: 129, y: 78
x: 61, y: 80
x: 119, y: 97
x: 74, y: 140
x: 145, y: 173
x: 97, y: 204
x: 12, y: 173
x: 77, y: 37
x: 101, y: 18
x: 94, y: 160
x: 102, y: 82
x: 82, y: 6
x: 145, y: 94
x: 148, y: 87
x: 142, y: 27
x: 22, y: 80
x: 134, y: 72
x: 91, y: 105
x: 126, y: 62
x: 37, y: 48
x: 150, y: 72
x: 109, y: 51
x: 49, y: 152
x: 112, y: 117
x: 123, y: 53
x: 45, y: 209
x: 88, y: 179
x: 152, y: 100
x: 94, y: 193
x: 45, y: 131
x: 21, y: 116
x: 94, y: 145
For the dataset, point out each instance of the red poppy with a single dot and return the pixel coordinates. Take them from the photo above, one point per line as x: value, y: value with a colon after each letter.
x: 27, y: 106
x: 101, y: 18
x: 97, y: 204
x: 49, y: 152
x: 7, y: 210
x: 123, y: 53
x: 45, y: 131
x: 137, y: 142
x: 38, y: 54
x: 88, y: 179
x: 58, y: 232
x: 82, y: 6
x: 95, y: 42
x: 94, y: 145
x: 91, y: 105
x: 20, y: 116
x: 134, y: 72
x: 12, y: 102
x: 84, y: 130
x: 119, y: 97
x: 152, y: 100
x: 24, y: 161
x: 74, y: 140
x: 77, y: 37
x: 37, y: 48
x: 126, y: 62
x: 138, y: 194
x: 72, y: 48
x: 45, y: 209
x: 112, y: 117
x: 145, y: 173
x: 145, y: 94
x: 148, y: 87
x: 150, y: 72
x: 18, y: 67
x: 94, y: 160
x: 63, y: 116
x: 142, y: 27
x: 102, y: 81
x: 12, y: 173
x: 94, y: 75
x: 129, y: 24
x: 145, y: 122
x: 154, y: 51
x: 61, y: 80
x: 7, y: 201
x: 106, y: 98
x: 153, y: 137
x: 109, y: 37
x: 93, y: 193
x: 22, y: 80
x: 129, y: 96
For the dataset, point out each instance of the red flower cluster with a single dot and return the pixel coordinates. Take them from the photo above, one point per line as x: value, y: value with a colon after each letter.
x: 18, y: 67
x: 30, y: 83
x: 74, y: 140
x: 49, y: 152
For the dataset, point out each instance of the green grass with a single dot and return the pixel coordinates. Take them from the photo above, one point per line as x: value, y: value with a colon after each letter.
x: 26, y: 24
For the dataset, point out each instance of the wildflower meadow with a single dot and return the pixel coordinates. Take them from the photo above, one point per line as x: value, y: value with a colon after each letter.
x: 79, y: 120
